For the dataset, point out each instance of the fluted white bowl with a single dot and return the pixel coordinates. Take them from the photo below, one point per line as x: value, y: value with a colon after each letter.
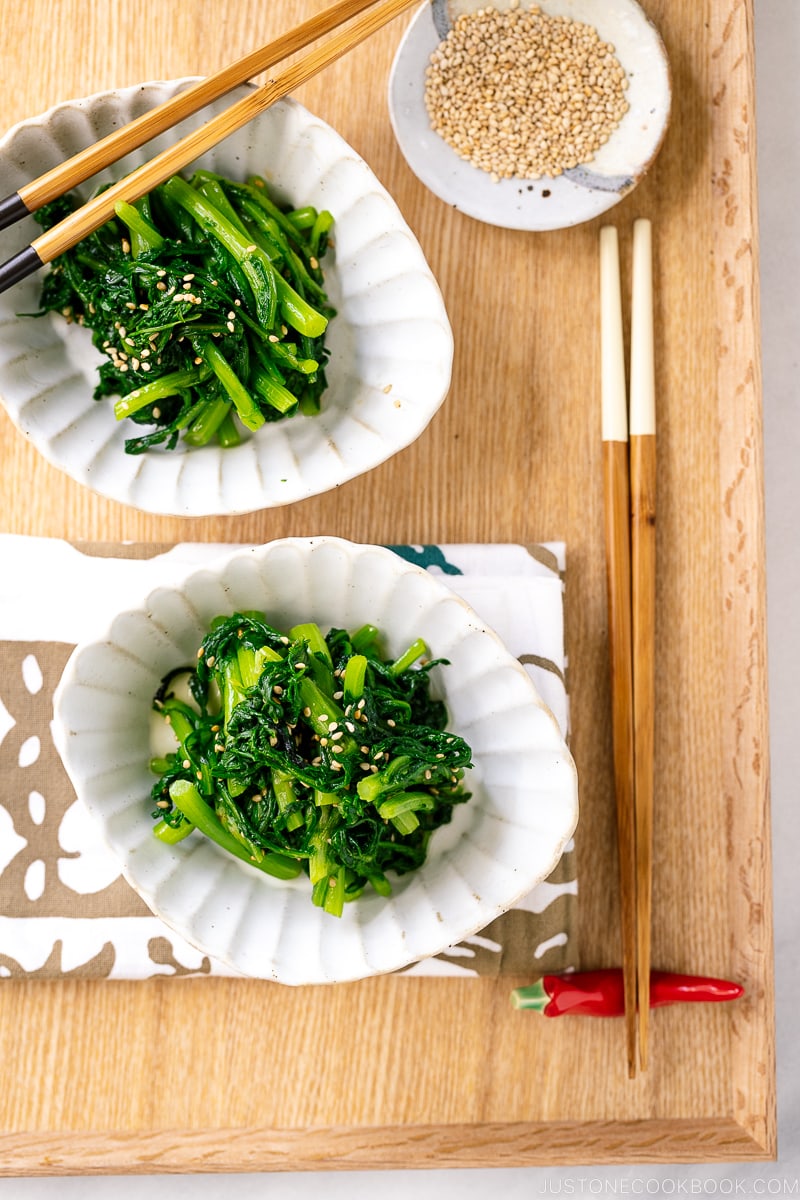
x: 391, y: 342
x: 499, y: 845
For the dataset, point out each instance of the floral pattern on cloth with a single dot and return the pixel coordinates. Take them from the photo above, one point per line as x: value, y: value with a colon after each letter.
x: 65, y: 908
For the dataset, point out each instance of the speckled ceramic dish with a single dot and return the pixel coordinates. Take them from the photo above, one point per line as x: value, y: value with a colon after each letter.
x: 391, y: 343
x: 579, y: 194
x: 499, y: 845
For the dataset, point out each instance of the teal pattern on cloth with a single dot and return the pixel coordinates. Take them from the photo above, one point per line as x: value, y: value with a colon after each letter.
x: 427, y: 557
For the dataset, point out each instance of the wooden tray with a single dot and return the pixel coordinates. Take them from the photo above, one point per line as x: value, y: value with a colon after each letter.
x: 228, y: 1075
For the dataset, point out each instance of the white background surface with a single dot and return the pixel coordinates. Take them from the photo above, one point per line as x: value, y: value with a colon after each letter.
x: 778, y: 72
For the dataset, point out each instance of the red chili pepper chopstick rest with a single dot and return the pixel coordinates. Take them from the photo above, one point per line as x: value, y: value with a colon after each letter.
x: 601, y: 993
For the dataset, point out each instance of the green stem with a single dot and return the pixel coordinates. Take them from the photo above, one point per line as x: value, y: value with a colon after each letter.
x: 414, y: 651
x: 187, y: 799
x: 159, y: 389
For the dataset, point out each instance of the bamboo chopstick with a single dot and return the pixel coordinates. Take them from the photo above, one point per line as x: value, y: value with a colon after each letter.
x: 94, y: 158
x: 643, y: 594
x: 618, y: 583
x: 99, y: 210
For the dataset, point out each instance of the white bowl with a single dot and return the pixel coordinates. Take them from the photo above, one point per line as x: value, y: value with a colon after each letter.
x: 391, y: 342
x: 500, y: 844
x: 579, y: 194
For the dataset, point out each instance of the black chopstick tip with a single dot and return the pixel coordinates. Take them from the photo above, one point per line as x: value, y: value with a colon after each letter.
x: 12, y: 209
x: 18, y: 267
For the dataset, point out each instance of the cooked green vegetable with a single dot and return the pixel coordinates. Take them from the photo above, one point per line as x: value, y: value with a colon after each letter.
x: 207, y: 300
x: 309, y: 752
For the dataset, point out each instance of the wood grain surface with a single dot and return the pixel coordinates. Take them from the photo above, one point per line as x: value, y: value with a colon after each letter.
x: 174, y: 1075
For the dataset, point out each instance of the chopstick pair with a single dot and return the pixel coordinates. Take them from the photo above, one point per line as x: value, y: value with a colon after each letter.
x: 629, y: 471
x: 132, y: 187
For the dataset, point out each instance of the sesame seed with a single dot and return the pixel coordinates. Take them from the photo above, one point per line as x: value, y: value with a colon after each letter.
x: 126, y: 246
x: 156, y: 413
x: 188, y: 278
x: 338, y: 695
x: 336, y: 737
x: 162, y: 287
x: 218, y: 747
x: 391, y: 723
x: 230, y: 327
x: 162, y: 804
x: 186, y: 764
x: 273, y: 337
x: 428, y: 775
x: 306, y: 712
x: 211, y: 660
x: 313, y: 263
x: 520, y: 93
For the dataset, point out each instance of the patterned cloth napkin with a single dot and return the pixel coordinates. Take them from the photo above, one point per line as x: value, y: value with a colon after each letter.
x: 65, y: 909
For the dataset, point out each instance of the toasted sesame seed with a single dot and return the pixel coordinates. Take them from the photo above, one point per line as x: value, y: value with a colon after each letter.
x: 218, y: 747
x: 391, y: 723
x: 186, y: 764
x: 428, y: 775
x: 156, y: 413
x: 162, y: 804
x: 126, y: 246
x: 306, y: 711
x: 337, y: 737
x: 520, y: 93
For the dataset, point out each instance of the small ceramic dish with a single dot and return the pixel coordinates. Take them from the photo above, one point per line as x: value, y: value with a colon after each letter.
x: 547, y: 203
x: 391, y: 342
x: 499, y: 845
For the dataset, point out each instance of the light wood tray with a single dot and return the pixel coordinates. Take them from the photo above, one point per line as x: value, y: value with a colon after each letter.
x: 216, y: 1075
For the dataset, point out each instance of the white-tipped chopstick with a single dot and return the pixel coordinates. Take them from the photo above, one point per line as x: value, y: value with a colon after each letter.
x: 100, y: 209
x: 618, y: 576
x: 643, y: 594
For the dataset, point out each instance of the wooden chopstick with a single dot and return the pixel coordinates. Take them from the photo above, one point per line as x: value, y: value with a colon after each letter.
x: 97, y: 211
x: 94, y: 158
x: 618, y: 583
x: 643, y: 594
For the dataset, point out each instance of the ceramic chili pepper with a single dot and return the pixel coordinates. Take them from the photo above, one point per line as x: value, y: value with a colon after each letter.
x: 601, y: 993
